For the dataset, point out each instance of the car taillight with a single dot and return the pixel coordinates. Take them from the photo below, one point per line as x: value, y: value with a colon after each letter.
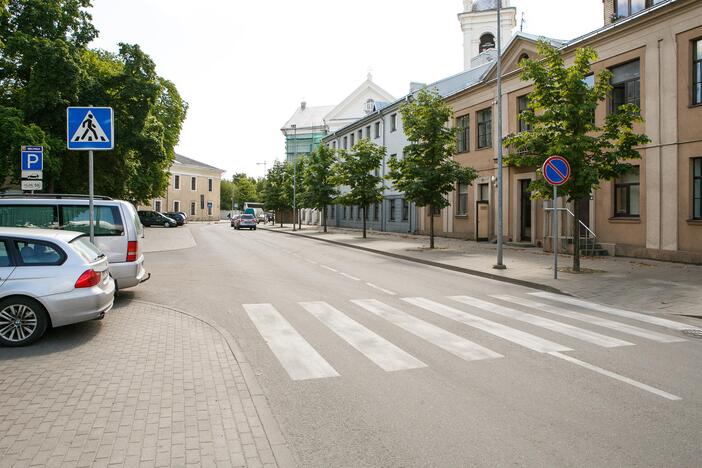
x: 88, y: 279
x: 132, y: 251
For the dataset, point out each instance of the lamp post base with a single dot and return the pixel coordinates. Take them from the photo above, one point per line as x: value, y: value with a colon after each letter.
x: 500, y: 267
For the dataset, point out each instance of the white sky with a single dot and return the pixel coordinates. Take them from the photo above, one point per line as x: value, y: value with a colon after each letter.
x: 243, y: 66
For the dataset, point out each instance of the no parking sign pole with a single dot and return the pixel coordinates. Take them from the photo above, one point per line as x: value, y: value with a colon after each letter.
x: 556, y: 171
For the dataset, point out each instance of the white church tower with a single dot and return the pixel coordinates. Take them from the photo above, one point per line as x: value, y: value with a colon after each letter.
x: 479, y: 25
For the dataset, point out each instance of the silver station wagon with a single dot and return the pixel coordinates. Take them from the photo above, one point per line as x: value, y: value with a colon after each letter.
x: 49, y: 278
x: 117, y: 227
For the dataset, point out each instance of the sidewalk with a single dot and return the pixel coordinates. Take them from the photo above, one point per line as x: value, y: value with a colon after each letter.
x: 146, y: 386
x: 637, y: 284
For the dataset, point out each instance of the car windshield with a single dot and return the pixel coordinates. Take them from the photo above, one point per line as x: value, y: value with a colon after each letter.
x: 86, y: 249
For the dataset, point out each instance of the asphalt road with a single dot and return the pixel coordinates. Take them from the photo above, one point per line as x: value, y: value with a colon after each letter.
x: 372, y: 361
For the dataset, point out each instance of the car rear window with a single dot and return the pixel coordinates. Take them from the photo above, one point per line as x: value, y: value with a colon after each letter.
x: 86, y: 249
x: 34, y: 216
x: 4, y: 255
x: 108, y: 220
x: 38, y: 253
x: 247, y: 216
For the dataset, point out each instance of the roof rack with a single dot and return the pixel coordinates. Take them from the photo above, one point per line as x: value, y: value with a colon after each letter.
x: 51, y: 195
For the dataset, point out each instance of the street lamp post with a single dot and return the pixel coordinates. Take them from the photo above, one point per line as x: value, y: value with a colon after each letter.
x: 500, y: 265
x: 294, y: 127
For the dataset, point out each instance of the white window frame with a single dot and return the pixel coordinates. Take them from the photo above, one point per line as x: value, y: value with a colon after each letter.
x: 193, y: 208
x: 210, y: 184
x: 158, y: 204
x: 176, y: 181
x: 176, y: 205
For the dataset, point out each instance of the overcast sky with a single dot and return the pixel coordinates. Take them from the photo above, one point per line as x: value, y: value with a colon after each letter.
x: 243, y: 66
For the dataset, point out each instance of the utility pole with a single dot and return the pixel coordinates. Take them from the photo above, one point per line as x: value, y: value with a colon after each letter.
x: 499, y: 265
x: 294, y: 127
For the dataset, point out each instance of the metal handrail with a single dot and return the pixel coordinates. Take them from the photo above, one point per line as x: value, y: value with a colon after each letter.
x: 590, y: 232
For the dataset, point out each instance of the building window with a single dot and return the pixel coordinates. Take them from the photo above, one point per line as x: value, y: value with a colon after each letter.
x: 697, y: 188
x: 176, y: 182
x: 202, y: 201
x: 368, y: 132
x: 360, y: 135
x: 377, y: 130
x: 405, y: 210
x: 697, y: 71
x: 193, y: 183
x: 209, y: 185
x: 463, y: 124
x: 626, y: 81
x: 192, y: 208
x: 157, y: 205
x: 462, y: 207
x: 392, y: 210
x: 346, y: 142
x: 351, y: 212
x: 487, y: 41
x: 626, y: 194
x: 344, y: 212
x: 435, y: 211
x: 358, y: 212
x: 393, y: 122
x: 485, y: 128
x: 334, y: 144
x: 522, y: 105
x: 176, y: 206
x: 483, y: 192
x: 376, y: 211
x: 624, y: 8
x: 524, y: 56
x: 353, y: 139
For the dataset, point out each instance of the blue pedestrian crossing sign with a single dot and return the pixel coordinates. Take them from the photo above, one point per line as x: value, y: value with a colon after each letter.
x: 90, y: 128
x: 556, y: 170
x: 32, y: 158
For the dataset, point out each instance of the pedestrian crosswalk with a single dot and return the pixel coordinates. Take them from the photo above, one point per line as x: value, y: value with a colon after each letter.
x: 498, y: 315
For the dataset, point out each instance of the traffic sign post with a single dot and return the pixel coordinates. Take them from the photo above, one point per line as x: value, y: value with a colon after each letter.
x: 556, y: 171
x: 32, y: 165
x: 91, y: 129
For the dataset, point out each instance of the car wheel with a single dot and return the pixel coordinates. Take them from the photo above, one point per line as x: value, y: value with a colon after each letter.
x: 167, y: 224
x: 22, y: 321
x: 253, y: 229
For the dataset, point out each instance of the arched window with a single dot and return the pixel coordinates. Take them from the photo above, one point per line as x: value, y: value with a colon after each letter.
x: 487, y: 41
x: 524, y: 56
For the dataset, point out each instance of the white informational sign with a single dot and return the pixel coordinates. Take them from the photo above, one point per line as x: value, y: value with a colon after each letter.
x: 32, y: 185
x: 33, y: 175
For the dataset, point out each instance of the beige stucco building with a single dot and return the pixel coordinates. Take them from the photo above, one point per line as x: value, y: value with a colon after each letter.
x: 193, y: 188
x: 655, y: 211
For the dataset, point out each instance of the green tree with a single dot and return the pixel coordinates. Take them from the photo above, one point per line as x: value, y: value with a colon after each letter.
x: 301, y: 197
x: 318, y: 180
x: 560, y: 117
x: 45, y: 66
x: 356, y: 170
x: 276, y: 196
x: 428, y: 172
x: 244, y: 191
x: 226, y: 194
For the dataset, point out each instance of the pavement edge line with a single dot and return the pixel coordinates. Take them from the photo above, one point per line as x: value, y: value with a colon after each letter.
x: 468, y: 271
x: 282, y: 453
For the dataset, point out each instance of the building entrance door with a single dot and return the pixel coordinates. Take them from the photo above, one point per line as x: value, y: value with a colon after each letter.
x: 525, y: 210
x: 483, y: 220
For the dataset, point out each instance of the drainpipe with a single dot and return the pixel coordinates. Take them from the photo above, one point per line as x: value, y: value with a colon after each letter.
x: 382, y: 203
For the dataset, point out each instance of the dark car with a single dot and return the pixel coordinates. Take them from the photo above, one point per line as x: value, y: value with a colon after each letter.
x: 245, y: 221
x: 154, y: 218
x: 233, y: 219
x: 178, y: 216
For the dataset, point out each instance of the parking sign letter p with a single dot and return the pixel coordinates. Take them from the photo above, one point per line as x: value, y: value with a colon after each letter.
x: 32, y: 160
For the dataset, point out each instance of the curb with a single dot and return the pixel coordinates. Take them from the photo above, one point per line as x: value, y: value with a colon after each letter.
x: 282, y: 453
x: 467, y: 271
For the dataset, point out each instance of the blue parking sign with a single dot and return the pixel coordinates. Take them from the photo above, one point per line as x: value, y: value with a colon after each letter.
x: 90, y: 128
x: 32, y: 158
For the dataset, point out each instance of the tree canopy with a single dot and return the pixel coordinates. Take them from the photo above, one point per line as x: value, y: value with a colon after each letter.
x: 318, y: 180
x: 561, y: 121
x: 46, y: 66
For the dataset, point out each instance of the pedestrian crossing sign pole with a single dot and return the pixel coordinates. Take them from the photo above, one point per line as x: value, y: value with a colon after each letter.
x: 90, y: 129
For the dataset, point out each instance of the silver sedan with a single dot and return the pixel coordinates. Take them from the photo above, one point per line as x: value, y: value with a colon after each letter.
x: 49, y: 278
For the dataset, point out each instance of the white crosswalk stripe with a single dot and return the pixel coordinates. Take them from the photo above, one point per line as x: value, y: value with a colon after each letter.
x: 295, y: 354
x: 454, y: 344
x: 558, y: 327
x: 379, y: 350
x: 615, y: 311
x: 515, y: 336
x: 601, y: 322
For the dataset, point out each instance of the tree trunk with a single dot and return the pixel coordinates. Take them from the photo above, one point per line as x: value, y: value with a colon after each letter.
x: 576, y: 235
x: 431, y: 226
x: 324, y: 221
x: 364, y: 222
x: 299, y: 218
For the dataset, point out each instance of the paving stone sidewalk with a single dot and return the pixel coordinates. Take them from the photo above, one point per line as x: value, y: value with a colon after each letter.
x: 146, y: 386
x: 637, y: 284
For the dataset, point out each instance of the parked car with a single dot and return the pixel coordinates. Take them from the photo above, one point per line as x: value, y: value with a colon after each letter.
x: 233, y: 220
x: 154, y: 218
x: 117, y: 227
x: 247, y: 221
x: 49, y: 278
x: 262, y: 218
x: 177, y: 216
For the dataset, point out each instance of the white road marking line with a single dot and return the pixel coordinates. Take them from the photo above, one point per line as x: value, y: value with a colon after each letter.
x: 558, y: 327
x: 661, y: 322
x: 601, y: 322
x: 386, y: 291
x: 295, y: 354
x: 454, y: 344
x: 621, y: 378
x: 515, y: 336
x: 310, y: 261
x: 376, y: 348
x: 329, y: 268
x: 346, y: 275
